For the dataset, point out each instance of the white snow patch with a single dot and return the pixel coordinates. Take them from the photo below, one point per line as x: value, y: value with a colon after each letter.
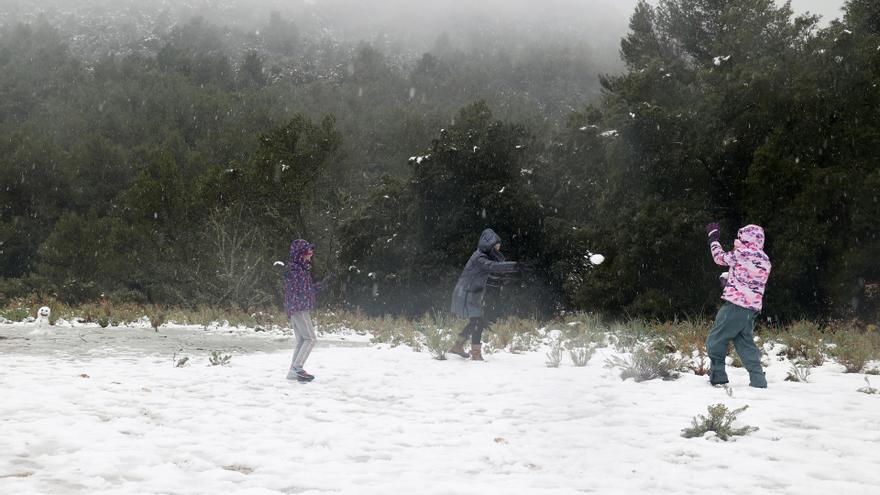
x: 379, y: 421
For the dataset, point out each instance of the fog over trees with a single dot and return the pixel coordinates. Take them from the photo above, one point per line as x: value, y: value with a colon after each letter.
x: 167, y: 152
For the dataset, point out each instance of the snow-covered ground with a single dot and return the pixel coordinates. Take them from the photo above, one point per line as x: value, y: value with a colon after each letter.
x: 89, y: 411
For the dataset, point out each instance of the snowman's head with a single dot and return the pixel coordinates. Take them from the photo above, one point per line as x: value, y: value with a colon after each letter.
x: 44, y: 312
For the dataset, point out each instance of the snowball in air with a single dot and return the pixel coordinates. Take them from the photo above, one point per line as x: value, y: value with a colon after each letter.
x: 597, y: 259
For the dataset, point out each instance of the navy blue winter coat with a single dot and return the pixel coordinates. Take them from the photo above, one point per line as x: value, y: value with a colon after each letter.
x: 467, y: 297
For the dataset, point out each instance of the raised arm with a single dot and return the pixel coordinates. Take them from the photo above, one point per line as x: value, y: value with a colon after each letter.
x: 713, y: 231
x: 497, y: 266
x: 720, y: 256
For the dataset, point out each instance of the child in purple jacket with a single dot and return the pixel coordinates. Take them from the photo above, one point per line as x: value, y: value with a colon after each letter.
x: 299, y: 300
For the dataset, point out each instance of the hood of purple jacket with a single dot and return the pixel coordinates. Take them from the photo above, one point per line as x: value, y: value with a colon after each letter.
x: 298, y: 250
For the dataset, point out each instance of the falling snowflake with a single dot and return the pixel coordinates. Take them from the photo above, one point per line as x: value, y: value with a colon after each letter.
x: 720, y: 60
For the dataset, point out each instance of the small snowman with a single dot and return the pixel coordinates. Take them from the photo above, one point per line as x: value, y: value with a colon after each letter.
x: 43, y: 315
x: 42, y: 321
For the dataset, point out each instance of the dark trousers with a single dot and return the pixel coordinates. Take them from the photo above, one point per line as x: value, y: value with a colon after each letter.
x: 474, y: 330
x: 737, y: 324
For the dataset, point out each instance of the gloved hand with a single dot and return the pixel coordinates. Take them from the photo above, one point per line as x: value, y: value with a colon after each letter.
x: 525, y: 267
x: 713, y: 231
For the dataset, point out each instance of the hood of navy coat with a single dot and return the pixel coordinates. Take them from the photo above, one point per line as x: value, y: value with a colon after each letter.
x: 487, y: 240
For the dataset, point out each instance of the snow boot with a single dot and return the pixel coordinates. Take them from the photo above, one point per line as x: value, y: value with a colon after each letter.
x: 717, y: 375
x: 477, y: 352
x: 757, y: 379
x: 458, y: 347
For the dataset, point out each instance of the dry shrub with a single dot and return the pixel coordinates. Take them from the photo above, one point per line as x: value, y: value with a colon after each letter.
x: 514, y: 334
x: 803, y: 341
x: 852, y: 347
x: 688, y: 338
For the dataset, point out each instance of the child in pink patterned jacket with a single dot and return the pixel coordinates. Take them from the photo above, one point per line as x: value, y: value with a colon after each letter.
x: 747, y: 274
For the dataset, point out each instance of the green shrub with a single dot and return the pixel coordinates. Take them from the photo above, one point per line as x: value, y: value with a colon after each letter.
x: 581, y: 355
x: 217, y: 359
x: 647, y: 364
x: 437, y: 340
x: 868, y: 389
x: 628, y: 336
x: 798, y: 373
x: 720, y: 420
x: 15, y: 314
x: 554, y: 355
x: 58, y: 310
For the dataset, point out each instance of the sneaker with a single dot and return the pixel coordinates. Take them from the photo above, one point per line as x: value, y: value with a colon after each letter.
x: 300, y: 375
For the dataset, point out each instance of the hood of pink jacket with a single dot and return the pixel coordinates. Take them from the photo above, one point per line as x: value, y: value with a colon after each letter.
x: 750, y: 237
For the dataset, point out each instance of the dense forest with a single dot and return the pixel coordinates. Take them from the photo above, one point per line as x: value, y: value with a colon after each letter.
x: 172, y: 162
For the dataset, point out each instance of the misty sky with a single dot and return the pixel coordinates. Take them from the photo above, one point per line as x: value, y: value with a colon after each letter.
x: 601, y: 23
x: 411, y: 25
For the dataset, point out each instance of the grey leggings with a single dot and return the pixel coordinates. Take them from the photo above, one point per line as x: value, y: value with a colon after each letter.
x: 305, y: 338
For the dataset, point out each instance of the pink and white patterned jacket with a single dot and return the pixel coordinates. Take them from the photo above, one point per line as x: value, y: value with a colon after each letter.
x: 749, y: 268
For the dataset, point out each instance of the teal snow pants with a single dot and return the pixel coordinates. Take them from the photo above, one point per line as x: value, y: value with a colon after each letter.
x: 737, y: 324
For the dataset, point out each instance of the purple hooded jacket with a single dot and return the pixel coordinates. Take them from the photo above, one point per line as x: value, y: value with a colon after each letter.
x: 749, y: 268
x: 299, y: 288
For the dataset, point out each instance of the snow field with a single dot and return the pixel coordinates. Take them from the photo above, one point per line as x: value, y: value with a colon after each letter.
x: 380, y: 421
